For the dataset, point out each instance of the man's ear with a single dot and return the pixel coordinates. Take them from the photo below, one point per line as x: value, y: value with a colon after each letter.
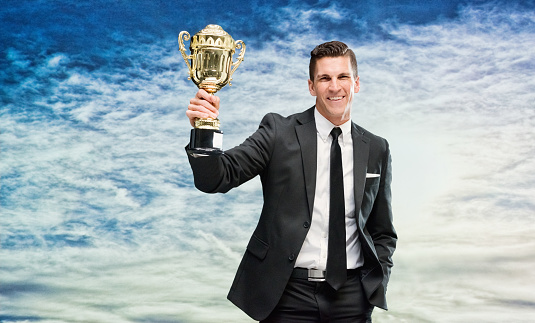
x: 357, y: 85
x: 311, y: 88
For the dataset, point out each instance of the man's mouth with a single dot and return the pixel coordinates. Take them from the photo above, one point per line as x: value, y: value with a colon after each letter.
x: 335, y: 98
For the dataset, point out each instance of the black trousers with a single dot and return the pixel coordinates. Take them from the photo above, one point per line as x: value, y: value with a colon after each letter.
x: 309, y: 302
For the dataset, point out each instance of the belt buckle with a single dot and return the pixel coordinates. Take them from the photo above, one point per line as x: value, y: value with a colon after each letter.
x: 316, y: 275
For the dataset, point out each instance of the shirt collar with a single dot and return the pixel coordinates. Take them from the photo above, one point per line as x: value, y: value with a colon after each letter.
x: 324, y: 127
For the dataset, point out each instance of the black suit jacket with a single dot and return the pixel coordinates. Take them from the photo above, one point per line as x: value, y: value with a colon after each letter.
x: 283, y: 152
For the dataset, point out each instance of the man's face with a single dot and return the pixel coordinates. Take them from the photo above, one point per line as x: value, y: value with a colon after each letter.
x: 333, y: 87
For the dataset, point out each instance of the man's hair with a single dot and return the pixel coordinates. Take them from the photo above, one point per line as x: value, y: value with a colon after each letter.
x: 331, y: 49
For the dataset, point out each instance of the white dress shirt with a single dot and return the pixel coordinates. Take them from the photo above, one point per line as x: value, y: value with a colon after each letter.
x: 313, y: 253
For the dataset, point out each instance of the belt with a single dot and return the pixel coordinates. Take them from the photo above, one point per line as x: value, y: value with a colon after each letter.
x: 316, y: 275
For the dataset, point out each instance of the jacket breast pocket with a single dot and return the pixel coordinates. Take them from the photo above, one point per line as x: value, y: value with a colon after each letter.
x: 372, y: 181
x: 370, y: 192
x: 257, y: 247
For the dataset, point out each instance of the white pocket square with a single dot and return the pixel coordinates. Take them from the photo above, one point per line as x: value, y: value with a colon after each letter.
x: 371, y: 175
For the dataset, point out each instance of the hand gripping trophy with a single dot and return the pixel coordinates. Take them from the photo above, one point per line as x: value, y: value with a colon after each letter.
x: 210, y: 68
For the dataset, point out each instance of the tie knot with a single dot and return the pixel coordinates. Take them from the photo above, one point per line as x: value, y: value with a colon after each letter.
x: 336, y: 132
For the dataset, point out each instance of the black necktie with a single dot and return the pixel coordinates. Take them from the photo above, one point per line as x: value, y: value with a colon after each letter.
x: 336, y: 274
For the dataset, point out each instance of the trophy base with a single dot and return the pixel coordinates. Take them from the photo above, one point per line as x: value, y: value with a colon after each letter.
x: 206, y: 142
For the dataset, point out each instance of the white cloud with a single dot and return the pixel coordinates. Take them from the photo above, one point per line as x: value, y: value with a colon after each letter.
x: 56, y: 60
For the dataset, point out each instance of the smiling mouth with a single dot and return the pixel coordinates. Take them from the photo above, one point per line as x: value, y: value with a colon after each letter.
x: 335, y: 98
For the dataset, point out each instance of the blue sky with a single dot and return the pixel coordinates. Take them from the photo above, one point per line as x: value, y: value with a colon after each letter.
x: 99, y: 217
x: 88, y: 26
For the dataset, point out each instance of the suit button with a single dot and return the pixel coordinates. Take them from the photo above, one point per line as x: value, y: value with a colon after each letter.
x: 306, y: 225
x: 291, y: 257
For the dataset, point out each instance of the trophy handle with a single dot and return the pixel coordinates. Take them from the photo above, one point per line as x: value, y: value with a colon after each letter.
x: 241, y: 46
x: 184, y: 35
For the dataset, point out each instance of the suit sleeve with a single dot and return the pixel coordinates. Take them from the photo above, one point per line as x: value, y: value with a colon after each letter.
x: 220, y: 173
x: 380, y: 224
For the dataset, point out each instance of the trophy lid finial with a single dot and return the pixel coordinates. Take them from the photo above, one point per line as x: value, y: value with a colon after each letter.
x: 213, y: 30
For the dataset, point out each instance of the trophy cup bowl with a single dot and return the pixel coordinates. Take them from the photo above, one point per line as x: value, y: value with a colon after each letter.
x: 210, y: 67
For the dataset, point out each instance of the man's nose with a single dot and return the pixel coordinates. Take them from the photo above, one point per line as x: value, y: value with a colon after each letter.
x: 333, y: 84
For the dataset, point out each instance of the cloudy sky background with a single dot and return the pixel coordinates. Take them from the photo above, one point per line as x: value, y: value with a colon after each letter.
x: 100, y: 221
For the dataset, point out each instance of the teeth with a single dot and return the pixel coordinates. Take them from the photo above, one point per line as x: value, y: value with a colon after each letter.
x: 336, y: 98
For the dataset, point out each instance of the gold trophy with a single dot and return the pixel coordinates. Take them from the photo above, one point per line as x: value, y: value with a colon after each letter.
x: 210, y: 68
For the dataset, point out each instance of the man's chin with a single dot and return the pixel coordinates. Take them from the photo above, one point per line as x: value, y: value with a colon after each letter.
x: 339, y: 110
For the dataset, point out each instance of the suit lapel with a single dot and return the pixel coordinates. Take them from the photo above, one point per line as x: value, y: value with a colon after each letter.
x: 307, y: 137
x: 361, y: 150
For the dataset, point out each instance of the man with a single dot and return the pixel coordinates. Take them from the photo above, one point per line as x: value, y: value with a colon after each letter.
x: 292, y: 270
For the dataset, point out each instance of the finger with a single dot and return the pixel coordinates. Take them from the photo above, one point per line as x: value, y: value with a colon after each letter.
x: 203, y: 95
x: 213, y: 99
x: 194, y: 112
x: 203, y: 105
x: 199, y: 111
x: 204, y: 108
x: 190, y: 117
x: 193, y: 115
